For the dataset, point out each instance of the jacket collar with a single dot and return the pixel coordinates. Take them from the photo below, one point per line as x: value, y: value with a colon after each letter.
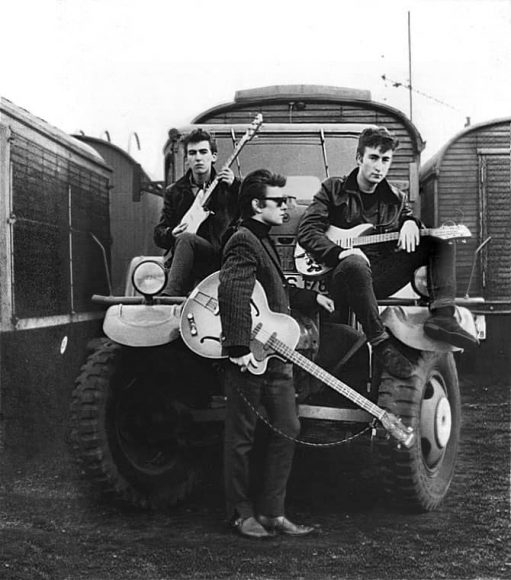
x: 259, y: 229
x: 261, y: 232
x: 191, y: 182
x: 383, y: 189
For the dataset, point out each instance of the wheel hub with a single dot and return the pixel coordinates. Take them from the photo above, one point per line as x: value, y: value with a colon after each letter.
x: 443, y: 422
x: 435, y: 423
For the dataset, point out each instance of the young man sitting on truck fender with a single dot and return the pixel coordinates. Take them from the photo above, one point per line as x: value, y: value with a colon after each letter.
x: 194, y: 256
x: 359, y: 277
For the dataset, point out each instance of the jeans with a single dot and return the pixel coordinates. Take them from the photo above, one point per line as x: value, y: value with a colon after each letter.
x: 193, y: 259
x: 275, y: 390
x: 358, y: 284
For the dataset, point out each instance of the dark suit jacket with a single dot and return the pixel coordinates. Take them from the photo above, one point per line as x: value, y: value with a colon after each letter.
x: 249, y: 255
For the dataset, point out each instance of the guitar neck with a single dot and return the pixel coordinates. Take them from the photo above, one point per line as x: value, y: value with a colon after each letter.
x: 211, y: 187
x: 377, y: 238
x: 316, y: 371
x: 211, y: 304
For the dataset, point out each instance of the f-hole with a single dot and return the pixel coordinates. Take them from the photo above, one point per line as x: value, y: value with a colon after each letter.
x: 256, y: 309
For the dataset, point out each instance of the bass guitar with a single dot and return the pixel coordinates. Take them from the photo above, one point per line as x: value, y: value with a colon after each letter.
x: 199, y: 211
x: 273, y: 334
x: 358, y: 236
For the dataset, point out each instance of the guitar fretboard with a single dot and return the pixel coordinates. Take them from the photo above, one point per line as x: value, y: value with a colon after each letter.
x: 378, y: 238
x: 241, y: 143
x: 211, y: 187
x: 316, y: 371
x: 303, y: 362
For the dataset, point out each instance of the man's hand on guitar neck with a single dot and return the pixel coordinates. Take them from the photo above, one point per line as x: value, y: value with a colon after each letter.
x: 244, y: 361
x: 226, y: 175
x: 179, y: 229
x: 408, y: 236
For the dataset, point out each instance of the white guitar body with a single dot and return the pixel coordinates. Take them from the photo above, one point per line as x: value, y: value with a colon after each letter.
x: 196, y: 214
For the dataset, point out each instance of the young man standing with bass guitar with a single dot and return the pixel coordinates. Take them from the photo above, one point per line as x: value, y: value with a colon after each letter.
x: 195, y: 255
x: 359, y: 277
x: 249, y: 255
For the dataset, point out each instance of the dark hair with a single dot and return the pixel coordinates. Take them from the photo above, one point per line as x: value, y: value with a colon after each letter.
x: 198, y: 135
x: 377, y: 137
x: 254, y: 187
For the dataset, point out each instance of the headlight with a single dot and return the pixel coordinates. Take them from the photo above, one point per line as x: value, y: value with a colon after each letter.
x: 420, y: 282
x: 149, y: 278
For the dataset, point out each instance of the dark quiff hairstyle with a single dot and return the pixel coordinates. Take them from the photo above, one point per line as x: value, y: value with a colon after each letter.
x: 376, y: 137
x: 254, y: 187
x: 198, y: 135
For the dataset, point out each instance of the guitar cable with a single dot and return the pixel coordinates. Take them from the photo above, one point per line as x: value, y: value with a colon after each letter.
x: 260, y: 416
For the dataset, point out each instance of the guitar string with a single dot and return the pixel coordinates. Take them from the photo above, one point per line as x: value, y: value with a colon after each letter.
x: 323, y: 375
x: 452, y: 232
x: 251, y: 131
x: 301, y: 361
x: 210, y: 304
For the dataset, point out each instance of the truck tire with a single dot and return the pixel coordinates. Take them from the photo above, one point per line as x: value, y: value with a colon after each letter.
x: 128, y: 436
x: 417, y: 478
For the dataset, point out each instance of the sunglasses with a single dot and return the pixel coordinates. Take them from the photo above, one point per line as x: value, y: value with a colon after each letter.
x: 278, y: 200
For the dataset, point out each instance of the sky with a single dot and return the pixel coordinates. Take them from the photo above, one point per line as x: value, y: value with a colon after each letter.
x: 143, y: 66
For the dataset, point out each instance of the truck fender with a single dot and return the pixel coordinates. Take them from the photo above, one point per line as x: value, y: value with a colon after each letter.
x: 407, y: 325
x: 142, y: 325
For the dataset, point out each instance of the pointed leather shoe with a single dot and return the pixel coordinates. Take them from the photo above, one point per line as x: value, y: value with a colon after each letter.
x: 282, y: 525
x: 251, y: 528
x: 447, y: 329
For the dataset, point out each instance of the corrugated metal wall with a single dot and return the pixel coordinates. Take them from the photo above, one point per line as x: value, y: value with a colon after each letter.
x: 132, y: 215
x: 47, y: 190
x: 53, y: 195
x: 474, y: 187
x: 328, y: 112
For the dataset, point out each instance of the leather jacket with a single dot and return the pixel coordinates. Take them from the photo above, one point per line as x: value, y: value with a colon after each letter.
x: 178, y: 199
x: 338, y: 203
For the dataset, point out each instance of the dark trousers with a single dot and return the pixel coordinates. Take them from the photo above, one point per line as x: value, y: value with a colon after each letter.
x: 359, y: 285
x: 276, y: 392
x: 193, y: 259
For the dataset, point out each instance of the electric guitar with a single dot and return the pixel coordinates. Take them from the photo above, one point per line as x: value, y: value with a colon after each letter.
x: 273, y: 334
x: 357, y: 236
x: 199, y: 211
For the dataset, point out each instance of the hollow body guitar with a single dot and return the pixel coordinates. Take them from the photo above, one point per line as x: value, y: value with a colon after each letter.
x: 273, y: 334
x: 358, y: 236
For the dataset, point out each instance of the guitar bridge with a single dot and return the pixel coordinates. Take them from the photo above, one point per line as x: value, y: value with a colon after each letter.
x: 191, y: 324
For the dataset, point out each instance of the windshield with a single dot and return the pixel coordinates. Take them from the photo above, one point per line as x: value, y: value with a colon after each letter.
x: 292, y: 150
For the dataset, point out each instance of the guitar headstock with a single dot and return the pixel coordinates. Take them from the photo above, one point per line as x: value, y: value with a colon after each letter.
x: 452, y: 232
x: 400, y: 432
x: 254, y: 126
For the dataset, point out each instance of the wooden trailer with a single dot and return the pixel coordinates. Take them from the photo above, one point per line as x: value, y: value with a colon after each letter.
x: 469, y: 180
x: 53, y: 202
x: 135, y: 206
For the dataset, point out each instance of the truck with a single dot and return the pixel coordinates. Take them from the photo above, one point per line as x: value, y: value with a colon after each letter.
x: 147, y: 410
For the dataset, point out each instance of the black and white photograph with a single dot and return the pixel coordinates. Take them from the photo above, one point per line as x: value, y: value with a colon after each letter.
x: 255, y: 290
